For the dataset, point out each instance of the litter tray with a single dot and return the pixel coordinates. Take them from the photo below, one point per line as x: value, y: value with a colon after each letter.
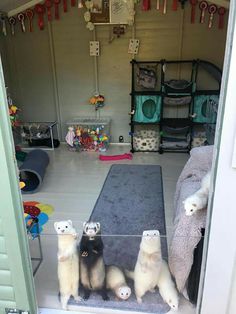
x: 146, y: 140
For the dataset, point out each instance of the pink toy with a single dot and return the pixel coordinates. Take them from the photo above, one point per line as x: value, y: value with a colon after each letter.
x: 116, y: 157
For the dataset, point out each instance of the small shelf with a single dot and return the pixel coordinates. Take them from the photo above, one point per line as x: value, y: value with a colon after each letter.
x: 145, y: 92
x: 144, y: 123
x: 176, y: 122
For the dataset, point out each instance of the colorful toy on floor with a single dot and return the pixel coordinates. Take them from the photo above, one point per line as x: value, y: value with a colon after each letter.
x: 116, y: 157
x: 87, y: 139
x: 37, y: 210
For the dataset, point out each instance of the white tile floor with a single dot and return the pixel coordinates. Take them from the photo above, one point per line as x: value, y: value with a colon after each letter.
x: 72, y: 184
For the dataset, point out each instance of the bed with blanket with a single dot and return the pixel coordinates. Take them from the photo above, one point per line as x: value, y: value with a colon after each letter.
x: 188, y: 230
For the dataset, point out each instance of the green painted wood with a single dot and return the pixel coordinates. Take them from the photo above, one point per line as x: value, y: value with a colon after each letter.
x: 16, y: 279
x: 4, y: 262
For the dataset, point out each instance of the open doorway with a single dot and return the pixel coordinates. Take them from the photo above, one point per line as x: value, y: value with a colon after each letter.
x: 74, y: 180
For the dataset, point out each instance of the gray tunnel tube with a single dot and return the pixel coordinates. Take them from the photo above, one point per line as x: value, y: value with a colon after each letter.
x: 33, y: 169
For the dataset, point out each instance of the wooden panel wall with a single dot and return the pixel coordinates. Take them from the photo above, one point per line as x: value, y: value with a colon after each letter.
x: 169, y: 36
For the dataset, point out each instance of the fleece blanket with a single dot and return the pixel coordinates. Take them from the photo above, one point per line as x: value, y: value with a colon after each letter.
x: 187, y: 229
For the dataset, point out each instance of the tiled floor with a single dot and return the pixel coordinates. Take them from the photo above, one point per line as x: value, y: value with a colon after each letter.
x: 72, y: 184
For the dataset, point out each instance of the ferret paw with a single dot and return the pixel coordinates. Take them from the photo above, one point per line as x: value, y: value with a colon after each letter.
x: 84, y: 254
x: 105, y: 298
x: 62, y: 258
x: 78, y: 298
x: 139, y: 300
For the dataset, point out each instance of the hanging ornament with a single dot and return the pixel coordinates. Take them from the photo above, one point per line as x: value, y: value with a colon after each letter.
x: 90, y: 26
x: 80, y: 4
x: 56, y: 4
x: 193, y: 10
x: 158, y: 5
x: 212, y: 9
x: 87, y: 16
x: 73, y: 3
x: 65, y: 6
x: 12, y: 22
x: 30, y: 14
x: 164, y: 6
x: 21, y: 19
x: 48, y: 5
x: 203, y: 6
x: 221, y: 12
x: 146, y: 5
x: 4, y: 27
x: 175, y: 5
x: 40, y: 10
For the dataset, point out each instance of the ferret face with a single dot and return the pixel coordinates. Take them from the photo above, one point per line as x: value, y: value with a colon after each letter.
x: 151, y: 235
x: 173, y: 303
x: 64, y: 227
x: 91, y: 229
x: 124, y: 292
x: 190, y: 205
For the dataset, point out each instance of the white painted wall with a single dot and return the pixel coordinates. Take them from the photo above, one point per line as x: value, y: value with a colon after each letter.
x: 169, y: 36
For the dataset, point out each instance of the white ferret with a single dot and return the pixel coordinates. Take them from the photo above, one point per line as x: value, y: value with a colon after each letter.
x: 68, y: 262
x: 148, y: 264
x: 115, y: 281
x: 167, y: 287
x: 199, y: 199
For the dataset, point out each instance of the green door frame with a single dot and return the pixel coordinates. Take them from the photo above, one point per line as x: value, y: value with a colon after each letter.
x: 12, y: 227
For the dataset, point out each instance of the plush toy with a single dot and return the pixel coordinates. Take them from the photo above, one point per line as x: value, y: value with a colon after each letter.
x: 70, y: 136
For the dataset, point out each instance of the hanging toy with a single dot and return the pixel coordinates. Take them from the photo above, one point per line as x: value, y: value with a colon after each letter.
x: 221, y: 12
x: 203, y: 6
x: 30, y: 14
x: 158, y: 5
x: 40, y: 10
x: 193, y: 10
x: 164, y: 6
x: 48, y: 5
x: 21, y: 18
x: 212, y: 9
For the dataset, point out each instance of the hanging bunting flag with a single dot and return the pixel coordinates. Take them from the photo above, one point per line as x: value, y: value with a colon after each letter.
x: 158, y: 5
x: 73, y: 3
x: 175, y: 5
x: 40, y: 10
x: 56, y: 4
x: 221, y: 12
x: 193, y: 10
x: 12, y: 22
x: 146, y: 5
x: 48, y: 5
x: 203, y: 6
x: 21, y: 18
x: 65, y: 6
x: 30, y: 14
x: 212, y: 9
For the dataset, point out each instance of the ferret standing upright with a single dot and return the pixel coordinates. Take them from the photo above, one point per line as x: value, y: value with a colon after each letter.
x: 167, y: 287
x: 68, y: 262
x: 148, y: 264
x: 115, y: 281
x: 92, y: 266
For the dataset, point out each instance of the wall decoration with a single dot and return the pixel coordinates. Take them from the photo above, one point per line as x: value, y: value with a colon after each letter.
x: 4, y: 27
x: 21, y: 19
x: 221, y: 12
x: 122, y: 11
x: 193, y: 10
x: 100, y: 12
x: 203, y: 5
x: 12, y: 22
x: 30, y: 14
x: 212, y: 9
